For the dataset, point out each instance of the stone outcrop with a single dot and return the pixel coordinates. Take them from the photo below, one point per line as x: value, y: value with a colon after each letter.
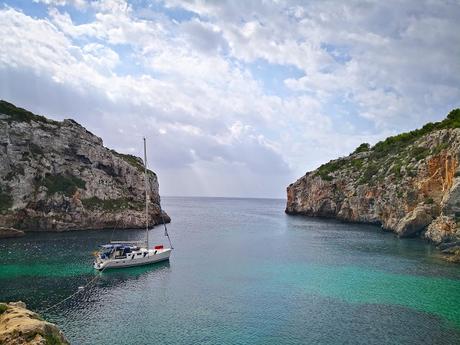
x: 409, y: 183
x: 10, y: 233
x: 20, y: 326
x: 58, y: 176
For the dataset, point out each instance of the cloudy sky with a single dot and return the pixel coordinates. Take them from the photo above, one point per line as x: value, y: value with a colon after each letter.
x: 237, y: 98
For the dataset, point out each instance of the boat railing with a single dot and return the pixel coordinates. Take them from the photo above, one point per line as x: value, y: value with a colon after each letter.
x: 127, y: 242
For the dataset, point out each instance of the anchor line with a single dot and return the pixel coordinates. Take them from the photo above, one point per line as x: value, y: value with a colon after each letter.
x: 80, y: 289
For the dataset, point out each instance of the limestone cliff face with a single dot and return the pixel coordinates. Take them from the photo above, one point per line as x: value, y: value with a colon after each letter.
x: 59, y: 176
x: 410, y: 184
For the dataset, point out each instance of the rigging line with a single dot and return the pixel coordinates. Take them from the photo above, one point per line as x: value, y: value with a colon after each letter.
x: 147, y: 202
x: 113, y: 230
x: 164, y: 223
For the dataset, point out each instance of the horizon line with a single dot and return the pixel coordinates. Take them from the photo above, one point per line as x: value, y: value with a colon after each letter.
x: 220, y: 197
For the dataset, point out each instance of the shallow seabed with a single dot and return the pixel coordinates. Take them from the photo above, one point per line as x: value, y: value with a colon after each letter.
x: 242, y: 272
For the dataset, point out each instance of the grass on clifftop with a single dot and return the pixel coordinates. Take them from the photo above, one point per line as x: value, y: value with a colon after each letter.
x: 390, y: 147
x: 397, y: 142
x: 134, y: 161
x: 22, y: 115
x: 364, y: 147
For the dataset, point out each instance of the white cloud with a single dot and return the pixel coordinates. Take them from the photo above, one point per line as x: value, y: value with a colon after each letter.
x: 80, y: 4
x: 369, y: 69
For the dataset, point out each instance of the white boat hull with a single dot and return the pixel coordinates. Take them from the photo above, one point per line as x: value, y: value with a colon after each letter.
x: 152, y: 257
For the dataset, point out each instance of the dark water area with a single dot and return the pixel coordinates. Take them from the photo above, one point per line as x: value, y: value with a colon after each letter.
x: 242, y: 272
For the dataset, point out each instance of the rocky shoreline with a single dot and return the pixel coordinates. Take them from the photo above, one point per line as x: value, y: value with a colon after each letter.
x: 408, y: 184
x: 20, y: 326
x: 10, y: 233
x: 57, y: 176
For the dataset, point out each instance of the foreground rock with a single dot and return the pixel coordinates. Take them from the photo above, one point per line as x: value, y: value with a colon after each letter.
x: 10, y: 233
x: 58, y: 176
x: 410, y: 184
x: 20, y: 326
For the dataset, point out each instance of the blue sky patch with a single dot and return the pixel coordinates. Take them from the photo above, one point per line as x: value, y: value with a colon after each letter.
x: 339, y: 54
x: 272, y: 76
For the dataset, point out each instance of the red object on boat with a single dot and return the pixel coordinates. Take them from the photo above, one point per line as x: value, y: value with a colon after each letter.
x: 159, y: 247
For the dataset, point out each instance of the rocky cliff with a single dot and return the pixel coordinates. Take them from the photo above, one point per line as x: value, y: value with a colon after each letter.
x: 409, y: 183
x: 59, y: 176
x: 20, y: 326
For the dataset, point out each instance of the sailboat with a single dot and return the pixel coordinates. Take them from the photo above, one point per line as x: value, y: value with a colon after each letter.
x: 118, y: 254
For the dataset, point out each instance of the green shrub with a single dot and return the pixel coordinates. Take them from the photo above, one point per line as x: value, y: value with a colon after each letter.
x: 22, y: 115
x: 368, y: 174
x: 66, y: 184
x: 396, y: 148
x: 331, y: 167
x: 357, y: 164
x: 362, y: 148
x: 429, y: 201
x: 420, y: 153
x: 396, y: 169
x: 95, y: 203
x: 452, y: 120
x: 394, y: 144
x: 398, y: 142
x: 132, y: 160
x: 3, y: 308
x: 439, y: 148
x: 52, y: 339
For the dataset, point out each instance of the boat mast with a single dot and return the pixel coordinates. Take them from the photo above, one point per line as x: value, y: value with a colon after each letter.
x: 146, y: 196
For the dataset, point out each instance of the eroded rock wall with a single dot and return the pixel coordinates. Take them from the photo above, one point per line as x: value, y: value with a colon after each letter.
x: 410, y: 186
x: 58, y: 176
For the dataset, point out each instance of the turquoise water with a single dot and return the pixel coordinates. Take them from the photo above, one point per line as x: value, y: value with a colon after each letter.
x: 242, y: 272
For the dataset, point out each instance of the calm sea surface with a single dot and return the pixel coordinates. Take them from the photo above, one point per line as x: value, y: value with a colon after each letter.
x: 242, y: 272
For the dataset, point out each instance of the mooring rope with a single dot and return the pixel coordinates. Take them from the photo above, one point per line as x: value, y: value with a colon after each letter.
x: 80, y: 289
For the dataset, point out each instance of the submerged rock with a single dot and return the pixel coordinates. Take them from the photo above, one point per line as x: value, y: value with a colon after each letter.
x: 409, y: 184
x: 58, y: 176
x: 20, y: 326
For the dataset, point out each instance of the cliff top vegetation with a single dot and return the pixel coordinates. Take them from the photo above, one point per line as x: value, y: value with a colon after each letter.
x: 390, y: 155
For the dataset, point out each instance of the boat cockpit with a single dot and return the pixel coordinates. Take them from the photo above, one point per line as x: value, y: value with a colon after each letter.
x: 118, y: 251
